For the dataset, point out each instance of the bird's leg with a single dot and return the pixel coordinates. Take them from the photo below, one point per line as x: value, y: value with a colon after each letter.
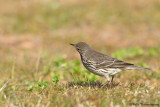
x: 112, y: 79
x: 108, y: 81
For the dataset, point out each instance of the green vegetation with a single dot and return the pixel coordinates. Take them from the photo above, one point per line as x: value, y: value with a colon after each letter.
x: 128, y: 53
x: 81, y: 87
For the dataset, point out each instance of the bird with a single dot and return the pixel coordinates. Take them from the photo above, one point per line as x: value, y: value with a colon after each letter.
x: 102, y: 64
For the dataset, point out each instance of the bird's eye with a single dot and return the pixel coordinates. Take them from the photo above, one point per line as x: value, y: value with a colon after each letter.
x: 78, y: 49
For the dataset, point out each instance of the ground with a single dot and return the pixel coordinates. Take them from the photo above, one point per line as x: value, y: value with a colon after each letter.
x: 39, y: 68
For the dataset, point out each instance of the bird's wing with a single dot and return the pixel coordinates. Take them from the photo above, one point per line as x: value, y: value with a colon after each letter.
x: 105, y: 61
x: 113, y: 63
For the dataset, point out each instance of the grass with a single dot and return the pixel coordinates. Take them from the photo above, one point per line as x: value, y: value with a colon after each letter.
x: 128, y: 53
x: 65, y: 82
x: 54, y: 15
x: 39, y: 68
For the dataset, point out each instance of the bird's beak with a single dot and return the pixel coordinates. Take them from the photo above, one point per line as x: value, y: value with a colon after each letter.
x: 72, y: 44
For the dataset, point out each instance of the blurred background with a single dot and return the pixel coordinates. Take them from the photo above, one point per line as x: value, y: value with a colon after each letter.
x: 35, y: 37
x: 53, y: 24
x: 30, y: 29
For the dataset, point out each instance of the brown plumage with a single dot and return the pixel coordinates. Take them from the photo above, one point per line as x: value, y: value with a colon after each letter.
x: 101, y: 64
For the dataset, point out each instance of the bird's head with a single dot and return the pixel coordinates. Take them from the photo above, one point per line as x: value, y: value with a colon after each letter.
x: 81, y: 47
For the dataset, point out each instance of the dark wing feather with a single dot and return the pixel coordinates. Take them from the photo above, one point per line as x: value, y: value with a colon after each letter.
x: 104, y: 61
x: 114, y: 63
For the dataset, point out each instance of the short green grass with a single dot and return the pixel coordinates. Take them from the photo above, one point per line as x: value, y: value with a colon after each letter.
x: 65, y: 82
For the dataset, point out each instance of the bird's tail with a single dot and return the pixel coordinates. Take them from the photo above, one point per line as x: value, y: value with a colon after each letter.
x: 137, y: 67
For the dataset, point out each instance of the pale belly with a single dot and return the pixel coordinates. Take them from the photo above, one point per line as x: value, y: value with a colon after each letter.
x: 97, y: 72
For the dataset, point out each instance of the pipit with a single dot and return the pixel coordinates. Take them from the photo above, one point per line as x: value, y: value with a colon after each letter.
x: 101, y: 64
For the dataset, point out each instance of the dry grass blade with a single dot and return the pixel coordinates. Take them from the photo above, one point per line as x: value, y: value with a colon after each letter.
x: 4, y: 86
